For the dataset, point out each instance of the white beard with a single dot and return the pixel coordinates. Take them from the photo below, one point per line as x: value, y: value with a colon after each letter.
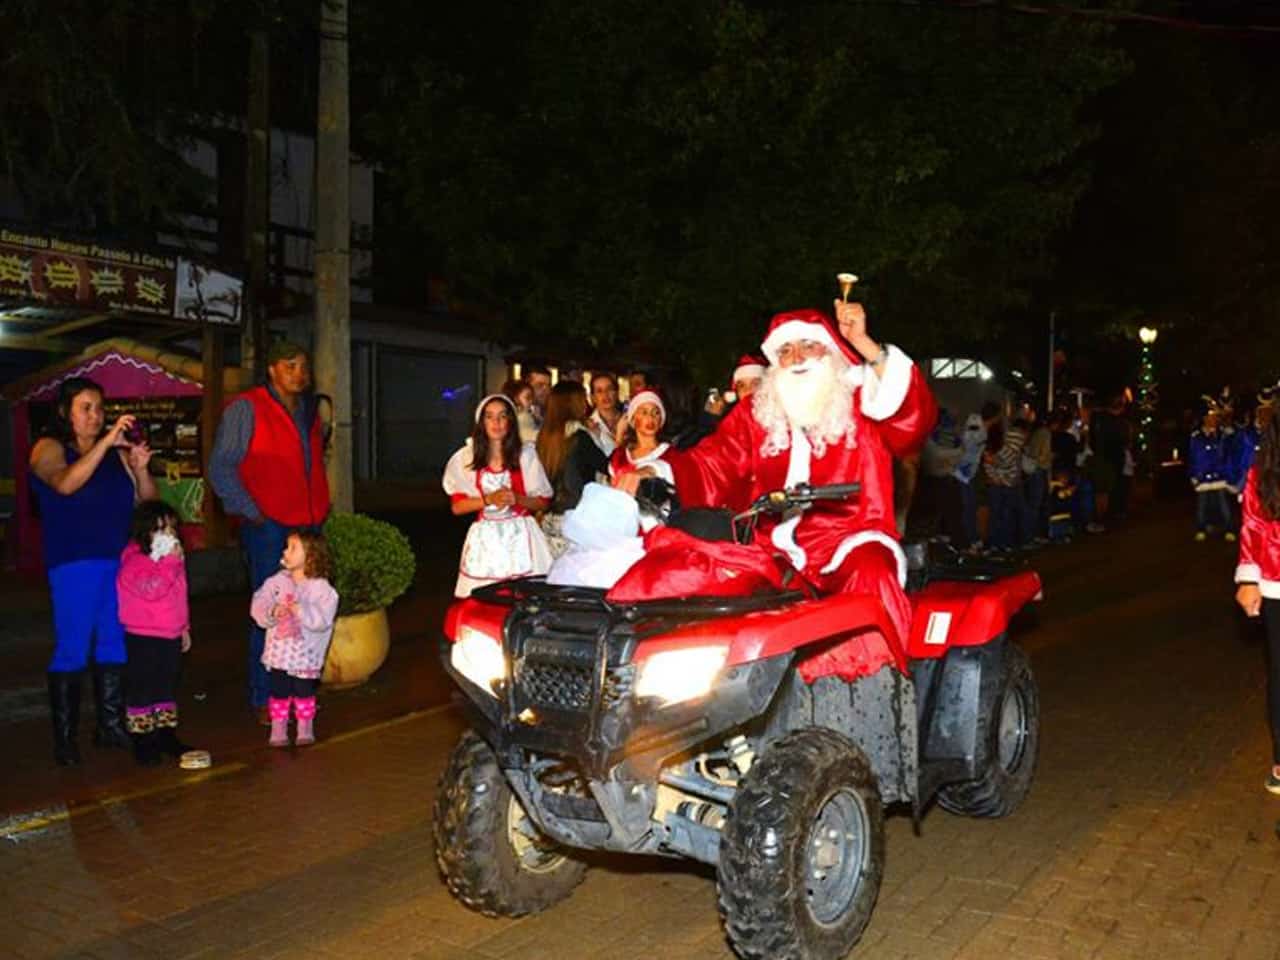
x: 804, y: 390
x: 817, y: 400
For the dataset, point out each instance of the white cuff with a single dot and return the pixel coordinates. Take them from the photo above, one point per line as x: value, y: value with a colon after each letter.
x: 1248, y: 573
x: 851, y: 543
x: 883, y: 393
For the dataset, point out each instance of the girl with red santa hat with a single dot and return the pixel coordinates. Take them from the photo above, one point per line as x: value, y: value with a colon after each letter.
x: 639, y: 449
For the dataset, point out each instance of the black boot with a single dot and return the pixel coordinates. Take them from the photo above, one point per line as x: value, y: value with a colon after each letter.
x: 64, y: 706
x: 108, y: 691
x: 145, y: 749
x: 167, y: 742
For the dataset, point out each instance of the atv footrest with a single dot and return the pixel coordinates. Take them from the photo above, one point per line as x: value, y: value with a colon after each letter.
x: 569, y: 807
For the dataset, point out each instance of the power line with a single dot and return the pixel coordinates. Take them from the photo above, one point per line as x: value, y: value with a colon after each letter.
x: 1252, y: 31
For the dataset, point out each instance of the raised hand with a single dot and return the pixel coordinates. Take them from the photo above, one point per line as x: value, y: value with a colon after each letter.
x: 115, y: 435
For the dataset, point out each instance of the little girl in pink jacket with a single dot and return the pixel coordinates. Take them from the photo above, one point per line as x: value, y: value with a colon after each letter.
x: 297, y: 606
x: 151, y: 591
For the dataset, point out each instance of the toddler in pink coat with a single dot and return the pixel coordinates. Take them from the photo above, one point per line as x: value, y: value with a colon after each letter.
x: 151, y: 590
x: 297, y: 607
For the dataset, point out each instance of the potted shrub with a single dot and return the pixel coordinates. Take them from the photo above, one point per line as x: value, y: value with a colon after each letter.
x: 373, y: 564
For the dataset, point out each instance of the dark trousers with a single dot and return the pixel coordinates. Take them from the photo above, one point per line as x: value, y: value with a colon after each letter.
x: 1007, y: 515
x: 1271, y: 617
x: 1213, y: 509
x: 951, y: 511
x: 1119, y: 509
x: 284, y: 685
x: 263, y: 544
x: 1036, y: 488
x: 969, y: 511
x: 151, y: 682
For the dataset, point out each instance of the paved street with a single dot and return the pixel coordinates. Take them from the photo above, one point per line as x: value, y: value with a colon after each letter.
x: 1146, y: 835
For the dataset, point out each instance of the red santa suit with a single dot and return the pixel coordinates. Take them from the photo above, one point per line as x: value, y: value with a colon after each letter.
x: 848, y: 546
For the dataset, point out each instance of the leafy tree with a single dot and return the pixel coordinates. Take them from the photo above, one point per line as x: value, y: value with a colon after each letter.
x: 1179, y: 228
x: 668, y: 170
x: 97, y: 98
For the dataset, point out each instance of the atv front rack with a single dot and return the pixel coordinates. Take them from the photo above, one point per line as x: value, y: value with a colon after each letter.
x: 510, y: 593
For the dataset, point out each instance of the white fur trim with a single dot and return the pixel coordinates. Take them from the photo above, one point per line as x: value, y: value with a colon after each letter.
x: 790, y: 331
x: 653, y: 459
x: 647, y: 397
x: 798, y: 464
x: 851, y: 543
x: 883, y: 393
x: 784, y: 538
x: 855, y: 374
x: 1269, y: 589
x: 748, y: 371
x: 1248, y: 573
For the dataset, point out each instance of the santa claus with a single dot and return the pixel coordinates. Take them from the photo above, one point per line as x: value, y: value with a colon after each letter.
x: 833, y: 407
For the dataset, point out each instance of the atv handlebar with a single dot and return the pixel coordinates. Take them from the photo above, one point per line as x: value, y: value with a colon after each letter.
x: 800, y: 496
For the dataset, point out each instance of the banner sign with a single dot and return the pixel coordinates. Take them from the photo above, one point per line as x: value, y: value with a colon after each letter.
x: 54, y: 271
x: 208, y: 296
x: 58, y: 272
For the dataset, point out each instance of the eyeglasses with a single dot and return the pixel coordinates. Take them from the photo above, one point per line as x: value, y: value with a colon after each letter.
x: 798, y: 350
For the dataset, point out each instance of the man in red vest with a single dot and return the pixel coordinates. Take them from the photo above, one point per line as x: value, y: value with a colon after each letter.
x: 268, y: 467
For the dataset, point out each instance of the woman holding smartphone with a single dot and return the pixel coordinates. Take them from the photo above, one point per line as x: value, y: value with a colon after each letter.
x: 86, y: 478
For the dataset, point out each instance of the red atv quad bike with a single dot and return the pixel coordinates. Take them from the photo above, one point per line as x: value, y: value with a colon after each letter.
x: 681, y: 727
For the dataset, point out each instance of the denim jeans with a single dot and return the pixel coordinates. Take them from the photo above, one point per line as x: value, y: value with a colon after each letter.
x: 263, y: 544
x: 86, y: 621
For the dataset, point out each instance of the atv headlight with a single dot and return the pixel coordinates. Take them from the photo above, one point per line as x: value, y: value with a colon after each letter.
x: 674, y: 676
x: 478, y: 657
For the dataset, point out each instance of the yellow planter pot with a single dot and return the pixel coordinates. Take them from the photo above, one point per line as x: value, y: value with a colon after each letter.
x: 359, y: 646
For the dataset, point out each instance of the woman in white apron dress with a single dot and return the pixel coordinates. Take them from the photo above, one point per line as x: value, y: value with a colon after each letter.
x: 499, y: 478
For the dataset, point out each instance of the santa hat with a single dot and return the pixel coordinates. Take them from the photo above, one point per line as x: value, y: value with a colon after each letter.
x: 647, y: 398
x: 748, y: 368
x: 813, y: 325
x: 484, y: 401
x: 1268, y: 396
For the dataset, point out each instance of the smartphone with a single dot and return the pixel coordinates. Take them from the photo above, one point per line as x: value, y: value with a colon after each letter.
x: 137, y: 433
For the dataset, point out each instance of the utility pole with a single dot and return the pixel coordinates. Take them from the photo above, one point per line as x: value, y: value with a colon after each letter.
x: 333, y: 246
x: 212, y: 359
x: 257, y: 205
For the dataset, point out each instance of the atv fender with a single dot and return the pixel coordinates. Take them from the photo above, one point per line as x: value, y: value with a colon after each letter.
x: 949, y: 701
x: 876, y: 712
x: 948, y: 613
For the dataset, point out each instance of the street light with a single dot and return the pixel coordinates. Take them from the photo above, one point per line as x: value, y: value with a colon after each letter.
x: 1147, y: 396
